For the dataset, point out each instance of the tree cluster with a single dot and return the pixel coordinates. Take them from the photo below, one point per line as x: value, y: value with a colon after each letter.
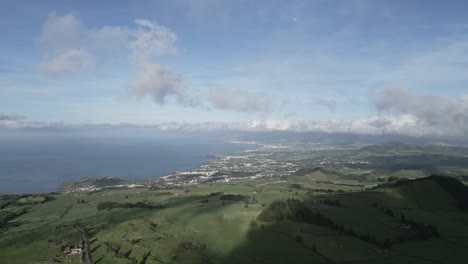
x: 294, y: 210
x: 112, y: 205
x: 295, y: 186
x: 423, y: 230
x: 233, y: 197
x: 311, y: 191
x: 12, y: 199
x: 216, y: 194
x: 416, y: 230
x: 5, y: 217
x: 331, y: 202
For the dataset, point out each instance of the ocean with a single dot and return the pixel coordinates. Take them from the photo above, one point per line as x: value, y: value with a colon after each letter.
x: 42, y: 164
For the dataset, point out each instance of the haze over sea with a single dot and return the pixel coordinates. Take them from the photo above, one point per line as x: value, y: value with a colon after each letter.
x: 32, y: 164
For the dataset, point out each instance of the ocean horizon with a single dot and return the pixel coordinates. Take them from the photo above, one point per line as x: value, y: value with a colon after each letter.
x: 39, y: 165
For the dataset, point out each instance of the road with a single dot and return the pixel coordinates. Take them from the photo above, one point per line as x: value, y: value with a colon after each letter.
x: 84, y: 246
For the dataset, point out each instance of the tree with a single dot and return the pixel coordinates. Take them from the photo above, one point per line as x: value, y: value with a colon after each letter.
x: 254, y: 200
x: 253, y: 223
x: 389, y: 212
x: 299, y: 239
x: 387, y: 243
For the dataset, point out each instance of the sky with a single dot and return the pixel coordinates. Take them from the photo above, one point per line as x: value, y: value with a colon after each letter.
x: 358, y: 66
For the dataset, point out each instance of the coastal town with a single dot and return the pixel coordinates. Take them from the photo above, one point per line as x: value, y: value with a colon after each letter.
x: 264, y: 161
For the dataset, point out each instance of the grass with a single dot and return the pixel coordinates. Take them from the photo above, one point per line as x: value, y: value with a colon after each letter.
x: 195, y: 227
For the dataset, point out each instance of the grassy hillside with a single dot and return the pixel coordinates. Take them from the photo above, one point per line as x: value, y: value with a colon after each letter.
x: 418, y: 221
x: 316, y: 174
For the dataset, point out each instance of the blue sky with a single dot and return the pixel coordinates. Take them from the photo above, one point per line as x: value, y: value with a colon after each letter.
x: 357, y: 66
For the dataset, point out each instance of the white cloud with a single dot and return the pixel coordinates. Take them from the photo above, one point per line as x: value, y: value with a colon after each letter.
x: 108, y: 36
x: 158, y: 83
x: 441, y: 114
x: 31, y: 124
x: 63, y: 40
x: 372, y: 125
x: 67, y: 62
x: 239, y: 100
x: 69, y: 48
x: 150, y: 40
x: 64, y: 32
x: 404, y: 124
x: 377, y: 125
x: 61, y: 32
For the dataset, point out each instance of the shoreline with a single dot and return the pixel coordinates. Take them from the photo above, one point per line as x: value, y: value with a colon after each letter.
x: 140, y: 183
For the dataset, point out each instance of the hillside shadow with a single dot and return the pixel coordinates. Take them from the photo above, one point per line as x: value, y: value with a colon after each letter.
x: 13, y: 224
x: 198, y: 205
x: 275, y: 244
x: 268, y: 245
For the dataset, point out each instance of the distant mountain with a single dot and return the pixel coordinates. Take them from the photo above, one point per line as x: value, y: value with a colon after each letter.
x: 340, y: 138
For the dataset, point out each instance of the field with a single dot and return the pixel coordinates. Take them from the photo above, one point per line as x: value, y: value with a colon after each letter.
x: 202, y: 224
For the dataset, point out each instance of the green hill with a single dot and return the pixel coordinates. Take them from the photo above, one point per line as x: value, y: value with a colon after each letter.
x: 316, y: 174
x: 414, y: 221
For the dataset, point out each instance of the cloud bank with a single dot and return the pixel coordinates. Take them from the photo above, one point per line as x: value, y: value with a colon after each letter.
x: 439, y: 114
x: 377, y: 125
x: 398, y: 112
x: 405, y: 125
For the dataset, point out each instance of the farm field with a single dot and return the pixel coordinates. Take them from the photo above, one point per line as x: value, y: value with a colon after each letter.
x: 220, y: 223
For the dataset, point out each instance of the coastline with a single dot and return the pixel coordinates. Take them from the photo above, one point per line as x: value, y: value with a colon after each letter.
x: 141, y: 182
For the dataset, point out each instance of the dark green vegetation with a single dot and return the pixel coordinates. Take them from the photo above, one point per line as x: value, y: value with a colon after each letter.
x: 25, y: 199
x: 113, y: 205
x: 94, y: 182
x: 258, y: 221
x: 7, y: 216
x: 233, y: 197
